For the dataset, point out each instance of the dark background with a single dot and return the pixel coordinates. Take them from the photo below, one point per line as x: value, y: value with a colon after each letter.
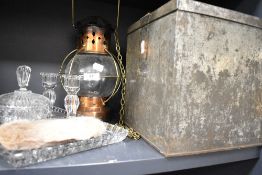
x: 39, y: 34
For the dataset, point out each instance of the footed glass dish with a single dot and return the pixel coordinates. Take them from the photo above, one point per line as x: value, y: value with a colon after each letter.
x: 21, y: 158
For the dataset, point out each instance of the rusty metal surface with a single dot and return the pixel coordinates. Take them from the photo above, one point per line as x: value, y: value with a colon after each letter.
x: 199, y: 87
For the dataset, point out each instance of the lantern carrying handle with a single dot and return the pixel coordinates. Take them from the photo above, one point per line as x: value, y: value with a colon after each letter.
x: 62, y: 64
x: 118, y: 82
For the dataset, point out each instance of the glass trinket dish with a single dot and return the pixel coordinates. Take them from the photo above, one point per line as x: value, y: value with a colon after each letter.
x: 22, y: 158
x: 23, y: 104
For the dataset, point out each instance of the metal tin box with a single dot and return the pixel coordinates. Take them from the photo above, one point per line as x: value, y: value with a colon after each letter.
x: 194, y: 78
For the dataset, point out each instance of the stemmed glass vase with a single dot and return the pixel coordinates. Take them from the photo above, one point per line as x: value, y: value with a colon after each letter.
x: 49, y: 82
x: 71, y: 84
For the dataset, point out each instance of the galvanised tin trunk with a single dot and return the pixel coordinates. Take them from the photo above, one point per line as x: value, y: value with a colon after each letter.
x: 194, y: 78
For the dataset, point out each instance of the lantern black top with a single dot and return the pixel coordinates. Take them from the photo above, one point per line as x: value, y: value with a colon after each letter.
x: 94, y: 21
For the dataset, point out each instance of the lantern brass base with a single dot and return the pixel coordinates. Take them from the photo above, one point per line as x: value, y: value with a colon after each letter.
x: 93, y: 107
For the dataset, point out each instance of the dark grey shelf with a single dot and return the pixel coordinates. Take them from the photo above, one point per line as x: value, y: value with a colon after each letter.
x: 129, y: 157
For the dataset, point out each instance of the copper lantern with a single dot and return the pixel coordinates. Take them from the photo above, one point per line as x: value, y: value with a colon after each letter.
x: 98, y: 69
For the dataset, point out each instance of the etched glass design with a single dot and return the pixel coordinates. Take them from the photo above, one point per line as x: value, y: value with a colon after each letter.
x: 49, y: 82
x: 22, y: 103
x: 71, y: 84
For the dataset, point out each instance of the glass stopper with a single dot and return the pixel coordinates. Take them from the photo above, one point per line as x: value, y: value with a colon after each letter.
x: 23, y: 74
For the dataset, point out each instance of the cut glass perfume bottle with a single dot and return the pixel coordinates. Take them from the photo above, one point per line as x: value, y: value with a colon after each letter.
x: 22, y: 103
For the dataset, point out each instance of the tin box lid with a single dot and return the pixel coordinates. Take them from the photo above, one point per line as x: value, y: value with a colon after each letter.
x: 197, y: 8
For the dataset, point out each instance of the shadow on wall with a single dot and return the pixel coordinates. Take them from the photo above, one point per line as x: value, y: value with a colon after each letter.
x: 42, y: 31
x: 253, y: 7
x: 258, y: 11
